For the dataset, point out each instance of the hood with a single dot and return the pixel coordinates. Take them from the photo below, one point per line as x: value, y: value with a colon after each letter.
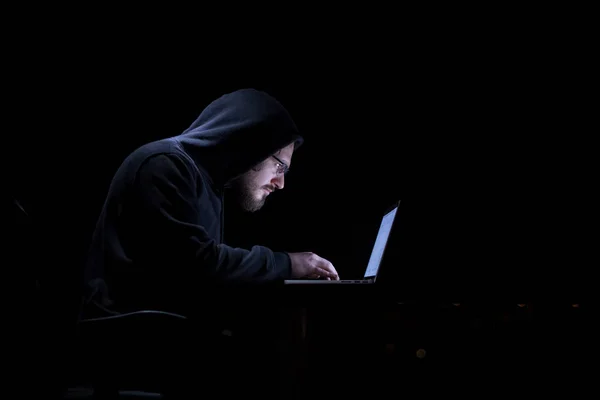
x: 236, y: 132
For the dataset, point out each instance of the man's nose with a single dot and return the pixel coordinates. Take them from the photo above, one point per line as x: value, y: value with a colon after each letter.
x: 278, y: 181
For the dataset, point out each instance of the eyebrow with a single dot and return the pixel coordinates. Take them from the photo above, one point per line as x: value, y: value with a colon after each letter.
x: 281, y: 161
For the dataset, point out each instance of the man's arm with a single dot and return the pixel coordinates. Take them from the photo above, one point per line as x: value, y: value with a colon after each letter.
x: 167, y: 194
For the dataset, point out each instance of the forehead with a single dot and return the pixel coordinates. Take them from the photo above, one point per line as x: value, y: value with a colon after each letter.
x: 286, y: 153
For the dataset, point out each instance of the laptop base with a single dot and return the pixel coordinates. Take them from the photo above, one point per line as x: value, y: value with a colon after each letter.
x: 325, y: 282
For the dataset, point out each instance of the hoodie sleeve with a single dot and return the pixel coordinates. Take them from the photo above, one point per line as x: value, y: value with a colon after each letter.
x: 168, y: 197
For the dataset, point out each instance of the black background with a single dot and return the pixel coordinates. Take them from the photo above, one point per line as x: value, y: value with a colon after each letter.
x: 487, y: 149
x: 484, y: 165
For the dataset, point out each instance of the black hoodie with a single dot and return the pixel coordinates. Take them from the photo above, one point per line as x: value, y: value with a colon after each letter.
x: 159, y: 237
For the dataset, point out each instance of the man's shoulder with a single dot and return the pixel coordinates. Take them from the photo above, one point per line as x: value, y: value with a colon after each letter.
x: 159, y: 152
x: 156, y: 148
x: 156, y: 158
x: 166, y: 157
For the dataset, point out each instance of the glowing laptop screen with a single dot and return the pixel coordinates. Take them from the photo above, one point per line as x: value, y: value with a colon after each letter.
x: 380, y: 242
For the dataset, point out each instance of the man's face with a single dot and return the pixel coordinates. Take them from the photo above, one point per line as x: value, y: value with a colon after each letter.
x: 253, y: 187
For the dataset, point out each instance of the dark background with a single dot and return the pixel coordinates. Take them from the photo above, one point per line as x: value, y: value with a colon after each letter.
x: 482, y: 162
x: 488, y: 154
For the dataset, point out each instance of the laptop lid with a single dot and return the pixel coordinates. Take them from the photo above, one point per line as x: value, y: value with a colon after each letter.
x: 383, y: 235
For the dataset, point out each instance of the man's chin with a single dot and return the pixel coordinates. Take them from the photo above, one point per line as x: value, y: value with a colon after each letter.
x: 253, y: 208
x: 253, y: 205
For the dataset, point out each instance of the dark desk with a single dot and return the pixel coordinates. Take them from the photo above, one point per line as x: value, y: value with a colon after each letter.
x: 310, y: 325
x: 357, y: 341
x: 330, y: 339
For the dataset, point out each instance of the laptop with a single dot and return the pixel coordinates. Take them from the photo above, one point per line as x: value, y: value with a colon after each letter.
x: 375, y: 260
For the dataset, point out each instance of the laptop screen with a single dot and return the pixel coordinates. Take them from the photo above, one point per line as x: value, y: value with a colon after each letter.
x: 380, y: 242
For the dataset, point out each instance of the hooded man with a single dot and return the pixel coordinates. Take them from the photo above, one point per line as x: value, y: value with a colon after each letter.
x: 159, y: 237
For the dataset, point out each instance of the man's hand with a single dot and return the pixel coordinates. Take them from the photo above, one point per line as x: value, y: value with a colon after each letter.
x: 310, y: 265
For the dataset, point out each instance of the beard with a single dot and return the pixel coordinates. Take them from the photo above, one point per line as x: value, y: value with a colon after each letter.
x: 243, y: 191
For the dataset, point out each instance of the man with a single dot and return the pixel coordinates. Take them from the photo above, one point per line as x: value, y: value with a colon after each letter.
x: 158, y: 242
